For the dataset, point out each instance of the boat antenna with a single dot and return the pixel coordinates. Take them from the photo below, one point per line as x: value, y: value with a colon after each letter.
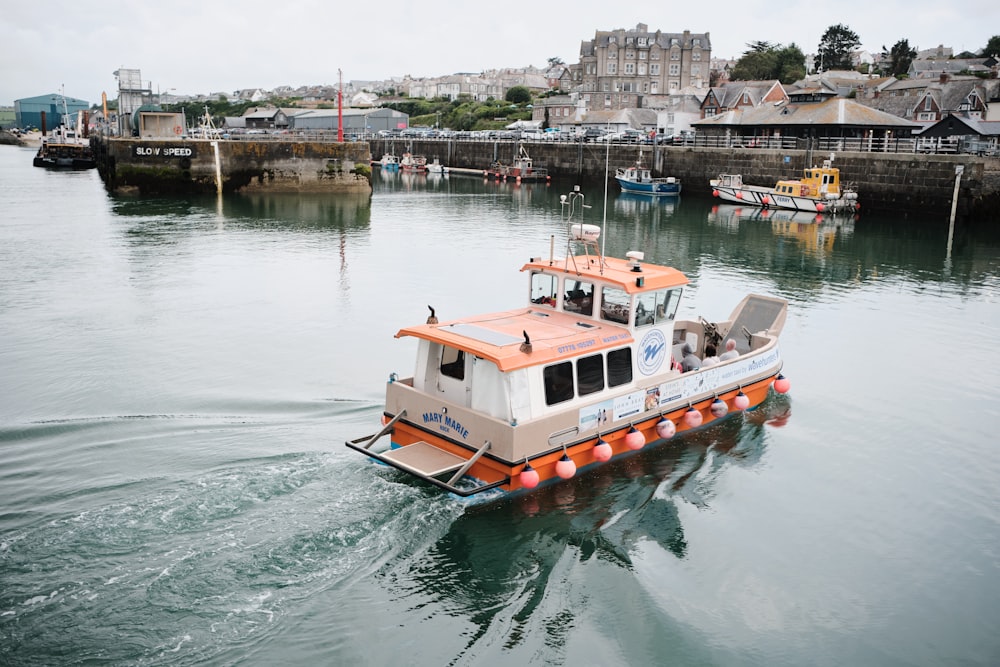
x: 604, y: 223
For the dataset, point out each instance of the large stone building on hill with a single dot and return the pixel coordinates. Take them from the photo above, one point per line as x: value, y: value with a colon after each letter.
x: 618, y: 68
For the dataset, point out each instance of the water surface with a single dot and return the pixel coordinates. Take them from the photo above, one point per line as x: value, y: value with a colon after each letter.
x: 179, y: 376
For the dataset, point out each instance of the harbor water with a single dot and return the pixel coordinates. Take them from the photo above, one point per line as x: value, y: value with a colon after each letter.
x: 178, y: 377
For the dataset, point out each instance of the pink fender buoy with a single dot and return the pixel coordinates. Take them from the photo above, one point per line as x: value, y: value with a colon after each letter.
x: 529, y: 477
x: 715, y: 193
x: 719, y: 408
x: 602, y: 450
x: 565, y: 467
x: 765, y: 200
x: 742, y: 401
x: 692, y: 417
x: 666, y: 429
x: 820, y: 207
x: 739, y: 195
x: 782, y: 384
x: 634, y: 439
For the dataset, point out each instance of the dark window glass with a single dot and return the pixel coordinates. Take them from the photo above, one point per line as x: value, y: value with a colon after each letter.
x: 558, y: 383
x: 619, y: 367
x: 590, y: 375
x: 453, y: 363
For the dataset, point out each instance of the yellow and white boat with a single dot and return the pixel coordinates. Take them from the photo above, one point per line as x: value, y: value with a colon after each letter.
x: 818, y: 191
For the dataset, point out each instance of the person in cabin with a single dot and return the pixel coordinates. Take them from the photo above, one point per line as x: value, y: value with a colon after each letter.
x: 731, y: 352
x: 690, y: 361
x: 710, y: 358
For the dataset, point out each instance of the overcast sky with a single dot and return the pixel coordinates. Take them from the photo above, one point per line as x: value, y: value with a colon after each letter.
x: 204, y: 46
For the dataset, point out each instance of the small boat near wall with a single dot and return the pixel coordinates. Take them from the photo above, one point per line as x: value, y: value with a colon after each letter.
x: 522, y: 170
x: 413, y: 163
x: 587, y: 370
x: 435, y: 167
x: 389, y: 162
x: 818, y: 191
x: 639, y: 179
x: 63, y: 154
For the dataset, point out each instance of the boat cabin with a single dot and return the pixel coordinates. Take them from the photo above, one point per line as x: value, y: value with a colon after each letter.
x: 815, y: 182
x: 591, y: 324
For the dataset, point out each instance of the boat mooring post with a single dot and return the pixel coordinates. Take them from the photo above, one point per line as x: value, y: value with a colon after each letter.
x: 954, y: 205
x: 218, y: 168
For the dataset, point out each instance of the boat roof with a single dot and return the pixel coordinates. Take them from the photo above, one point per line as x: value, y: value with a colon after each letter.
x: 554, y: 336
x: 612, y: 271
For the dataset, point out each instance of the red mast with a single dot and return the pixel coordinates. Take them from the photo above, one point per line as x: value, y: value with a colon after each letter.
x: 340, y: 108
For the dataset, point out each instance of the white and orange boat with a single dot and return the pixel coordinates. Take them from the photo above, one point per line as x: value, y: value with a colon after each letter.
x: 585, y: 372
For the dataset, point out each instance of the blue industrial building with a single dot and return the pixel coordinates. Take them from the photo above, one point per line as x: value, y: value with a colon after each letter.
x: 28, y: 112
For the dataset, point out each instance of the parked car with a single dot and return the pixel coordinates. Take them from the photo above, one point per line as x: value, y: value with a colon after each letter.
x: 627, y: 136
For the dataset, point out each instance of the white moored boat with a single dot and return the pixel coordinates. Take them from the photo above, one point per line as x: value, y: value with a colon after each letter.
x: 585, y: 371
x: 818, y: 191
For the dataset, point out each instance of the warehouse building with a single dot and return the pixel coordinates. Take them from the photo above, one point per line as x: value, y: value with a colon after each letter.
x: 45, y: 112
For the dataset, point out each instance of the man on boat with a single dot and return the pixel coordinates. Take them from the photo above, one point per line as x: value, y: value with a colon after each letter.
x: 690, y: 361
x: 730, y: 352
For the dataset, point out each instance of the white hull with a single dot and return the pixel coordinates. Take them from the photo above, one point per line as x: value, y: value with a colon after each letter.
x: 753, y: 195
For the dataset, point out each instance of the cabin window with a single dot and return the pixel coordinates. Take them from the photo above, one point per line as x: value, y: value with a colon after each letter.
x: 614, y: 305
x: 666, y: 304
x: 544, y: 289
x: 453, y: 363
x: 579, y: 297
x: 645, y: 306
x: 589, y: 374
x: 619, y: 367
x: 558, y: 380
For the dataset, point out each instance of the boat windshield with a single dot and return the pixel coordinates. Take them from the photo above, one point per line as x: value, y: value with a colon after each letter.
x: 579, y: 297
x: 656, y: 307
x: 614, y: 305
x: 544, y: 289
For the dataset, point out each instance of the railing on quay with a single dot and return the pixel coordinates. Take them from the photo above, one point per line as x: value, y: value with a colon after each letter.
x: 926, y: 145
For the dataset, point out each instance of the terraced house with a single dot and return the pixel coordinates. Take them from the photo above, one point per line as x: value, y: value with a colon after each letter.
x: 618, y: 68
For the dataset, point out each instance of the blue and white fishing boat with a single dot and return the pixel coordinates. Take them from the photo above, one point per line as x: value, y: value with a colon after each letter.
x: 639, y: 179
x: 389, y: 162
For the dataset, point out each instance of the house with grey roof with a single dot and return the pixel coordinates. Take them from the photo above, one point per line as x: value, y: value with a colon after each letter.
x: 967, y: 133
x: 270, y: 118
x: 825, y: 85
x: 838, y: 117
x: 929, y: 100
x: 742, y: 95
x: 933, y: 69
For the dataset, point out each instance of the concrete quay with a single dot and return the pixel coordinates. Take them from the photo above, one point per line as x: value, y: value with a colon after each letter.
x: 166, y: 166
x: 908, y: 183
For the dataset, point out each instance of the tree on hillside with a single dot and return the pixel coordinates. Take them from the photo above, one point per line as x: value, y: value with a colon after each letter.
x: 757, y: 63
x: 518, y: 95
x: 900, y: 57
x: 764, y: 61
x: 993, y: 47
x: 556, y: 61
x: 836, y: 46
x: 791, y: 64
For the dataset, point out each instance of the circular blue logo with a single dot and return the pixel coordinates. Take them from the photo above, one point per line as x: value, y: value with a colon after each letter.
x: 652, y: 352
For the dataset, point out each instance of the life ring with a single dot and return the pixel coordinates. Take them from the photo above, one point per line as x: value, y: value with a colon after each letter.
x: 178, y: 129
